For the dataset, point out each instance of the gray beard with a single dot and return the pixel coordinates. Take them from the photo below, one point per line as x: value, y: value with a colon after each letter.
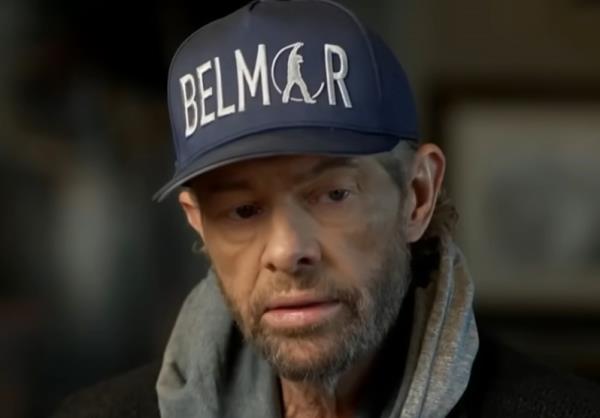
x: 371, y: 321
x: 373, y: 311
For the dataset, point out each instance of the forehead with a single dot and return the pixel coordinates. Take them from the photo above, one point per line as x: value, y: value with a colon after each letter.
x: 293, y: 168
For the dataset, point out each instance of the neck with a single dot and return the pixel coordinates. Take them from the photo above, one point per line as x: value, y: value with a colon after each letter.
x: 312, y: 399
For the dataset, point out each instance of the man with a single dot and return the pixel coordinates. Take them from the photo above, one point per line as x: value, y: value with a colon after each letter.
x: 335, y: 288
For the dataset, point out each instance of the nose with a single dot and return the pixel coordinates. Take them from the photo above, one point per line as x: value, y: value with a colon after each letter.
x: 291, y: 244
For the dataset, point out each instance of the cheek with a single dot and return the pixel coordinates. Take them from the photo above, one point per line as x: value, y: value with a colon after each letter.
x: 237, y: 267
x: 362, y: 245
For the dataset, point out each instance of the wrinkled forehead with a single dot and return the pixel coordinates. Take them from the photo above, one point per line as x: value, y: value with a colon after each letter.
x: 293, y: 169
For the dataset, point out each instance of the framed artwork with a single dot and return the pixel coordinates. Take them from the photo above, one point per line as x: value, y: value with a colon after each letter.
x: 524, y: 174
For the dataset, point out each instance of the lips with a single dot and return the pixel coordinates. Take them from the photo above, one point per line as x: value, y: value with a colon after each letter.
x: 297, y: 311
x: 297, y: 302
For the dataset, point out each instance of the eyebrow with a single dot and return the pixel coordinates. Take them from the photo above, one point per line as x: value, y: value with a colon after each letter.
x: 316, y: 170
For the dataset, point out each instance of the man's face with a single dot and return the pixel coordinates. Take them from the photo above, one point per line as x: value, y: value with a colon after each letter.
x: 311, y: 256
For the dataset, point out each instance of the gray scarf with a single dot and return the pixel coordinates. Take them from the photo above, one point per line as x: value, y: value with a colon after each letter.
x: 209, y: 372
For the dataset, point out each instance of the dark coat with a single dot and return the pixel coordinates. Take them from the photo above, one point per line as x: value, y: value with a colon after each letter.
x: 503, y: 384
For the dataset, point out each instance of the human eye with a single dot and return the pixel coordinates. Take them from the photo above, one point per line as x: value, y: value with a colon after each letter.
x: 334, y: 196
x: 337, y: 195
x: 244, y: 212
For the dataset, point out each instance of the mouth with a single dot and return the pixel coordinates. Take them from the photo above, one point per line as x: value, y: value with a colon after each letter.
x: 299, y: 311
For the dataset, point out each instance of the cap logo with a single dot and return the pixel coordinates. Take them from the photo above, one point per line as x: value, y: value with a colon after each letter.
x: 197, y: 88
x: 294, y: 76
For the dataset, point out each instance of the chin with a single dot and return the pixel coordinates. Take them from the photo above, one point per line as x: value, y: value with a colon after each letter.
x: 306, y: 358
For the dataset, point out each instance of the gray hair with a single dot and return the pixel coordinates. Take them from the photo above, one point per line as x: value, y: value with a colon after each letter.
x: 424, y: 252
x: 397, y: 161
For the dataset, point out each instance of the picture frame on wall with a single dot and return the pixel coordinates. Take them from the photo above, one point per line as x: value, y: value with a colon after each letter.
x: 524, y: 174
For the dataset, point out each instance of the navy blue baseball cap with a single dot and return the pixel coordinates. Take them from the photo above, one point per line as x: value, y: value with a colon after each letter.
x: 284, y: 77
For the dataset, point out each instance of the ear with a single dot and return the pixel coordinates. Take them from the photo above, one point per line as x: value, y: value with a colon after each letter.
x: 189, y: 204
x: 425, y: 181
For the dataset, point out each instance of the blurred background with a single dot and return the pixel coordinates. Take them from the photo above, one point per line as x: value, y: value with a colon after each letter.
x: 93, y: 272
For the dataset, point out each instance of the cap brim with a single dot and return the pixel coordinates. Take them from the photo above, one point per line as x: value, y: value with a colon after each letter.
x: 321, y: 141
